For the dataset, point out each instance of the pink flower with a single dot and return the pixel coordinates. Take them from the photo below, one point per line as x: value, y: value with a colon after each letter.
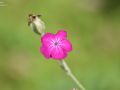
x: 55, y: 46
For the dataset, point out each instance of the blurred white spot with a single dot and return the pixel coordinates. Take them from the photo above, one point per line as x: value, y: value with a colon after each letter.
x: 2, y: 4
x: 74, y: 89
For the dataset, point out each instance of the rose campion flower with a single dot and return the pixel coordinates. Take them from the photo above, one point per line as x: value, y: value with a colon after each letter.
x: 56, y: 46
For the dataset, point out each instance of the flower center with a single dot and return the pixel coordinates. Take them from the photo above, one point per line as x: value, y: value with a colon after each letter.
x: 56, y: 43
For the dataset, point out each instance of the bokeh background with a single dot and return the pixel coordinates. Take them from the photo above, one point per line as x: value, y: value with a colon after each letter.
x: 93, y: 27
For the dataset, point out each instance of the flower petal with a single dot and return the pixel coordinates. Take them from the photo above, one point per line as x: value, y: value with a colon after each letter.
x: 47, y: 39
x: 57, y: 53
x: 66, y: 45
x: 61, y: 34
x: 44, y: 51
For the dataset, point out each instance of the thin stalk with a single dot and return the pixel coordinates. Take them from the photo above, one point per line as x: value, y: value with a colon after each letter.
x: 66, y: 68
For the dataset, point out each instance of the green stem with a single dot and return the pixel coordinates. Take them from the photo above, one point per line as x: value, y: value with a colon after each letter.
x: 65, y: 67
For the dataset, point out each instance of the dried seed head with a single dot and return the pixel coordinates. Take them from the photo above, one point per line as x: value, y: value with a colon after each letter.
x: 36, y: 24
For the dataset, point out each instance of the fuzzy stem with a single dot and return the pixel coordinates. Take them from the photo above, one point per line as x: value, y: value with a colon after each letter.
x: 43, y: 34
x: 65, y: 67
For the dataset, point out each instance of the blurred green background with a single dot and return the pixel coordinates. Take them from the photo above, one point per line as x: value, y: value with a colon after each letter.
x: 93, y: 27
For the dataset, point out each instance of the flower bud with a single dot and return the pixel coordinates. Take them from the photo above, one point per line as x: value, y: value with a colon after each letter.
x: 36, y: 24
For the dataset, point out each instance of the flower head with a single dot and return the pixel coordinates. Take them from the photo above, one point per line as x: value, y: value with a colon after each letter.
x: 55, y: 46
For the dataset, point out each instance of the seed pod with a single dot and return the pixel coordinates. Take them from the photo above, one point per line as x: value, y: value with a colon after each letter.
x: 36, y: 24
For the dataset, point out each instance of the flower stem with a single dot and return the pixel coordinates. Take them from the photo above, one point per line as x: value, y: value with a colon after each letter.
x: 65, y: 67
